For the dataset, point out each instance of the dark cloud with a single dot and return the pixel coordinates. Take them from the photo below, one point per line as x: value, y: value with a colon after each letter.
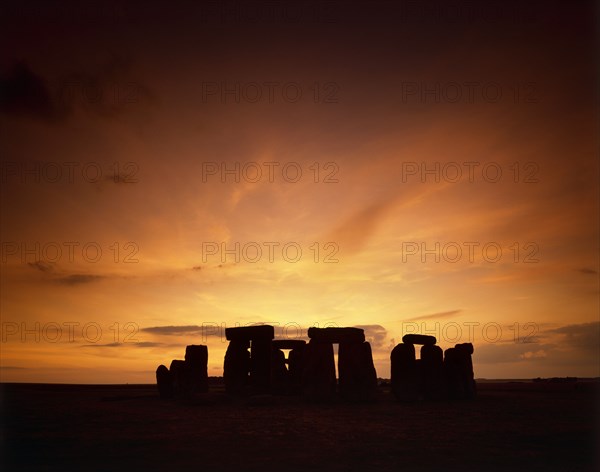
x: 106, y: 92
x: 586, y: 270
x: 80, y: 279
x: 375, y: 334
x: 25, y: 93
x: 12, y: 367
x: 131, y: 344
x: 441, y: 314
x: 41, y: 266
x: 207, y: 330
x: 585, y: 336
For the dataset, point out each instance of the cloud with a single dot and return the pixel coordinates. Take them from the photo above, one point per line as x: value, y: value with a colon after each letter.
x: 441, y: 314
x: 79, y: 279
x: 25, y: 93
x: 41, y: 266
x: 375, y: 334
x: 354, y: 233
x: 12, y: 367
x: 586, y: 270
x: 58, y: 277
x: 540, y: 354
x: 108, y: 91
x: 207, y: 330
x: 129, y: 344
x: 511, y: 352
x: 585, y: 336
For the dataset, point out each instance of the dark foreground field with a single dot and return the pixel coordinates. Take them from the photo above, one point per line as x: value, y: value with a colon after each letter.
x: 511, y: 426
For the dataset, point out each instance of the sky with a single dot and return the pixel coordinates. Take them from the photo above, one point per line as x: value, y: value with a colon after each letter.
x: 170, y: 170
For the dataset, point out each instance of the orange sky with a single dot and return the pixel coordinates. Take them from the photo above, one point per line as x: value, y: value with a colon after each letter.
x: 116, y: 115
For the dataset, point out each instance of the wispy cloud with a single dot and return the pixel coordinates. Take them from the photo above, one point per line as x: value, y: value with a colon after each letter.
x: 132, y: 344
x: 434, y: 316
x: 80, y: 279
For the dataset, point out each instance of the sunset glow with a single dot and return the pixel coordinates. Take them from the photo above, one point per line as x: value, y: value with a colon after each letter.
x: 167, y: 174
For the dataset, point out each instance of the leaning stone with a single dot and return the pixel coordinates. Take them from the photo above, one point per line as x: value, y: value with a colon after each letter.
x: 318, y: 376
x: 405, y: 374
x: 164, y: 381
x: 337, y: 335
x: 418, y: 339
x: 357, y: 375
x: 246, y: 333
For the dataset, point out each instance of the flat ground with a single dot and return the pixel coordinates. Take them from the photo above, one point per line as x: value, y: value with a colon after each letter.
x: 510, y: 426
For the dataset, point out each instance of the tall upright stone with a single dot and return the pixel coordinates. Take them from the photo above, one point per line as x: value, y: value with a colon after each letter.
x: 458, y: 370
x: 260, y: 364
x: 280, y: 378
x: 318, y: 376
x: 432, y: 372
x: 296, y: 367
x: 196, y: 359
x: 164, y: 382
x: 405, y: 374
x: 236, y: 366
x: 180, y: 379
x: 287, y: 380
x: 467, y: 377
x: 357, y: 375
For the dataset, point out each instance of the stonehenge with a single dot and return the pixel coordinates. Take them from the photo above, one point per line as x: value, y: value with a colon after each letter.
x: 436, y: 375
x: 255, y: 363
x: 309, y: 368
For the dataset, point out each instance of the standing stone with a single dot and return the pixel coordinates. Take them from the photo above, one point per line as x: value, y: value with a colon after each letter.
x: 236, y: 366
x: 296, y: 368
x: 294, y: 364
x: 280, y: 379
x: 467, y: 377
x: 196, y: 359
x: 318, y: 377
x: 260, y: 365
x: 164, y: 381
x: 180, y: 378
x: 432, y: 371
x: 452, y: 374
x: 357, y: 375
x: 405, y: 376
